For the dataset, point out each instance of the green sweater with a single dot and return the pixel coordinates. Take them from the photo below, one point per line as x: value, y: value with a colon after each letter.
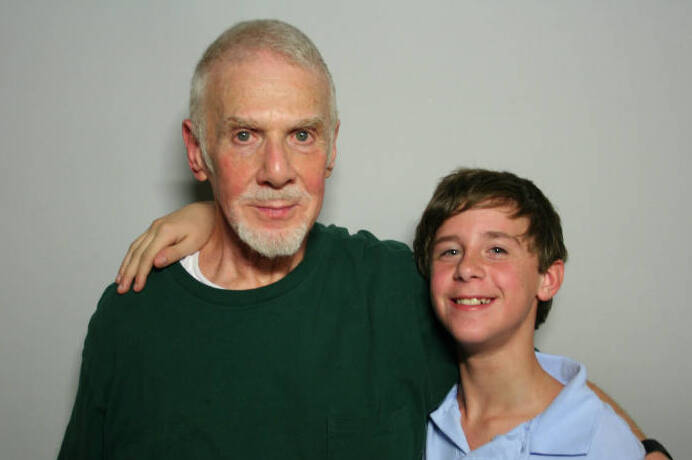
x: 340, y: 359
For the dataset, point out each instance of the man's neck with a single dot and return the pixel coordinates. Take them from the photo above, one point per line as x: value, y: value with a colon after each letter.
x: 228, y: 262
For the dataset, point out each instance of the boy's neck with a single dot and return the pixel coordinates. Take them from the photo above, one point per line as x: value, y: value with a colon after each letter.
x: 500, y: 389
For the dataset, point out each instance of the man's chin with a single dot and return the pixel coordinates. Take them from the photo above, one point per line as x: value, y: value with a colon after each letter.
x: 272, y: 243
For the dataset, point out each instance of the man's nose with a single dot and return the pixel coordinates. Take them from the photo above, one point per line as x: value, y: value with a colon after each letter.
x: 277, y: 169
x: 469, y: 267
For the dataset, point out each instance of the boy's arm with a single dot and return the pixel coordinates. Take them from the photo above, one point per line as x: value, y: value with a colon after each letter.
x: 167, y: 240
x: 625, y: 416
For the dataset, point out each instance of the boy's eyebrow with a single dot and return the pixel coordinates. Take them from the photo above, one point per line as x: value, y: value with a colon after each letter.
x: 490, y: 235
x: 493, y: 235
x: 444, y: 239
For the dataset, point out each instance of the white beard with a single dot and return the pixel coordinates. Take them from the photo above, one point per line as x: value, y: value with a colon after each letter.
x: 271, y: 243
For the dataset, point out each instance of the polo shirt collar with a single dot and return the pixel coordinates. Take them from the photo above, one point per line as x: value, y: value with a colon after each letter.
x: 447, y: 418
x: 567, y: 426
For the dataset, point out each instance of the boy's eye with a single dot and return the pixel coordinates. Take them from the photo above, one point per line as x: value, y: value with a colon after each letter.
x: 449, y: 252
x: 497, y: 251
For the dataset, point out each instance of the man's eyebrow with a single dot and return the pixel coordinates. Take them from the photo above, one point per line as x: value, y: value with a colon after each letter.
x: 310, y: 123
x: 238, y: 121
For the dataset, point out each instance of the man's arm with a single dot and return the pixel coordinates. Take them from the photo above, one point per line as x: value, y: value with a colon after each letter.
x: 625, y: 416
x: 84, y: 436
x: 167, y: 240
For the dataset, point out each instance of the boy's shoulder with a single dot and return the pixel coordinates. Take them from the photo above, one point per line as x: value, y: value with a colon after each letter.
x: 596, y: 431
x: 613, y: 438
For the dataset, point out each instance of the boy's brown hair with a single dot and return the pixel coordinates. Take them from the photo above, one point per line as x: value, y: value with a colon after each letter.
x: 466, y: 189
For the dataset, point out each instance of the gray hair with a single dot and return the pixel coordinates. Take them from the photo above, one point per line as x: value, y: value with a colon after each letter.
x: 241, y: 41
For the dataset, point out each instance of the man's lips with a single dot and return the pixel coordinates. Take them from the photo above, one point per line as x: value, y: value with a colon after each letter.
x: 275, y: 210
x: 468, y: 303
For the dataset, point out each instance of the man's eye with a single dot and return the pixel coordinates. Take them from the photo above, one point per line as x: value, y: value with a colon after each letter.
x: 243, y: 136
x: 497, y: 251
x: 302, y: 135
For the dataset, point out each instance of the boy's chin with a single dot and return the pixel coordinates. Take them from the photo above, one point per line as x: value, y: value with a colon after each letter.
x: 481, y: 342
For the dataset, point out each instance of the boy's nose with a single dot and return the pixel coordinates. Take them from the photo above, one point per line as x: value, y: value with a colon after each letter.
x: 469, y: 267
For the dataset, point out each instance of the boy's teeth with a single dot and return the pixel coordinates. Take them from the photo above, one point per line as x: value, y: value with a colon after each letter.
x: 472, y: 301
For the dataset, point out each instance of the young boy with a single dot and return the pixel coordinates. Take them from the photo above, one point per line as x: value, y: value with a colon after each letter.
x: 491, y: 245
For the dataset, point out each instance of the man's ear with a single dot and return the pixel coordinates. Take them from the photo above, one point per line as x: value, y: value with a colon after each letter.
x: 551, y: 281
x: 332, y: 155
x: 195, y: 158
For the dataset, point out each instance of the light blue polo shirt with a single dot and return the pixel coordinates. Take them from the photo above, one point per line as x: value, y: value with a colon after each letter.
x: 577, y: 424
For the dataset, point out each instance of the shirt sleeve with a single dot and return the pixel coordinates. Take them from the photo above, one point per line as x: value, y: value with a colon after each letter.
x: 84, y: 436
x: 614, y: 440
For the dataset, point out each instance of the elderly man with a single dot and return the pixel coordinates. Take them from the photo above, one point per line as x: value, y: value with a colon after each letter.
x: 281, y: 338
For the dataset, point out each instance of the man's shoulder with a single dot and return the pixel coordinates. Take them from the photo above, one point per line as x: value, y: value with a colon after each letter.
x: 362, y: 242
x: 369, y: 261
x: 113, y: 305
x: 118, y: 316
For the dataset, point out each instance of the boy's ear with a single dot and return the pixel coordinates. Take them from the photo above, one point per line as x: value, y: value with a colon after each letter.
x: 551, y: 281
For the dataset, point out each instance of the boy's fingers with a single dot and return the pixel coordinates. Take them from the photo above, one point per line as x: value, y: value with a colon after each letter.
x: 159, y: 246
x: 133, y: 261
x: 162, y: 260
x: 126, y: 260
x: 173, y: 252
x: 162, y: 238
x: 145, y: 262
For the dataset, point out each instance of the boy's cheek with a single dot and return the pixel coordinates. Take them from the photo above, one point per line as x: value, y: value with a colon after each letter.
x: 437, y: 282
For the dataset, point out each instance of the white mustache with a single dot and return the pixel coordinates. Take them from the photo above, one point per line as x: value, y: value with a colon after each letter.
x: 288, y: 193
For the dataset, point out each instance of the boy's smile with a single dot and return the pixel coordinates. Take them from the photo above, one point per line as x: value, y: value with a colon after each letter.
x: 484, y: 281
x: 469, y: 303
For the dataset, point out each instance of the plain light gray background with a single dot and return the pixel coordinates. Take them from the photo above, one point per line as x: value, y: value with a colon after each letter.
x: 590, y: 99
